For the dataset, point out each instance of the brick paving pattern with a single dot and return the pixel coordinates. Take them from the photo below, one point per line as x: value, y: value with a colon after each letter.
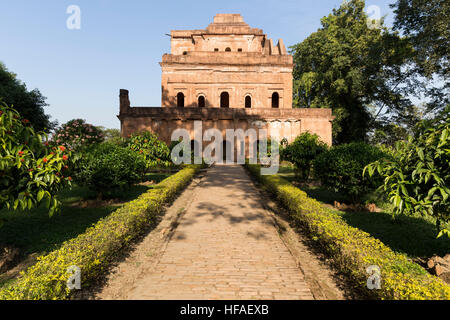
x: 225, y: 247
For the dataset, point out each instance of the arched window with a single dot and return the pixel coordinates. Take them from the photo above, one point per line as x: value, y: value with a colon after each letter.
x: 180, y: 99
x: 228, y: 49
x: 224, y: 100
x: 248, y: 102
x: 201, y: 101
x: 275, y: 100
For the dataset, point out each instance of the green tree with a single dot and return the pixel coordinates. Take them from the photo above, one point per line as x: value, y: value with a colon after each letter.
x: 426, y: 23
x: 417, y: 175
x: 388, y: 134
x: 30, y: 104
x: 387, y: 130
x: 348, y: 66
x: 112, y: 135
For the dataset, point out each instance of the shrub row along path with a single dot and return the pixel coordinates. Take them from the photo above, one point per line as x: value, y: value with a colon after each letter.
x: 225, y: 245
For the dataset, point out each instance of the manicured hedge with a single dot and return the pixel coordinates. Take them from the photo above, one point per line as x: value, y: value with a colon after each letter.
x: 93, y: 250
x: 353, y: 250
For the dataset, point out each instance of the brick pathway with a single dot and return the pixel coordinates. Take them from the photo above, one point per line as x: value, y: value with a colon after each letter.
x: 225, y: 247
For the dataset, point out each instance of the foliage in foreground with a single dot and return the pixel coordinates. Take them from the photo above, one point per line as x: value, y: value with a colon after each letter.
x: 31, y: 172
x: 353, y: 250
x: 341, y: 169
x: 302, y: 151
x: 94, y: 250
x: 417, y: 174
x: 107, y: 167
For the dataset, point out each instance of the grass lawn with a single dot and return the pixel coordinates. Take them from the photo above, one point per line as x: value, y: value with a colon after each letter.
x: 412, y: 235
x: 35, y: 232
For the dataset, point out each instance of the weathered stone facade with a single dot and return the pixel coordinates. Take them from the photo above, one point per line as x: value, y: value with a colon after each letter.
x: 229, y: 76
x: 200, y: 65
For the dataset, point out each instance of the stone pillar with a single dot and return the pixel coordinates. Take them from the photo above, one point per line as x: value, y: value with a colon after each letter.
x: 124, y: 101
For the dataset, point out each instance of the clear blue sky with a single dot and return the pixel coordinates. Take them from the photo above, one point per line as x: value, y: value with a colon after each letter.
x: 121, y: 42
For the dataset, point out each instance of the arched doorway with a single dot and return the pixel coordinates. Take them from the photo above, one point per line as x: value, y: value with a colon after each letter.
x: 195, y: 150
x: 248, y: 102
x: 226, y: 151
x: 224, y: 100
x: 180, y: 100
x: 275, y: 100
x: 255, y: 146
x: 201, y: 101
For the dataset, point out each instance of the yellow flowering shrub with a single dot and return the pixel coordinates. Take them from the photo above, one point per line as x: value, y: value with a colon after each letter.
x: 353, y: 250
x: 93, y: 250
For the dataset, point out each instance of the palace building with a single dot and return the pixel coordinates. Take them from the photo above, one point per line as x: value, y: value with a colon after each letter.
x: 229, y: 76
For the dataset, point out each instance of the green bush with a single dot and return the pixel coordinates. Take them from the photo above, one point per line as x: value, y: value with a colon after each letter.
x: 353, y: 250
x: 107, y: 168
x: 31, y: 171
x: 94, y: 250
x: 155, y: 152
x: 416, y: 177
x: 341, y: 169
x: 302, y: 151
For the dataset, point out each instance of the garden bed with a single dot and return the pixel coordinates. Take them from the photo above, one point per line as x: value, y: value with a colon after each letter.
x: 353, y: 250
x: 412, y: 235
x: 93, y: 250
x: 34, y: 233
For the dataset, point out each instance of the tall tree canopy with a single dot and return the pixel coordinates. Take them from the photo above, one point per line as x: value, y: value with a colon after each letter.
x: 351, y: 67
x: 426, y: 23
x: 30, y: 104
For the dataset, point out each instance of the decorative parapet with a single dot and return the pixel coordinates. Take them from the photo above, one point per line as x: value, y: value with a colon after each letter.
x: 229, y: 58
x: 172, y: 113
